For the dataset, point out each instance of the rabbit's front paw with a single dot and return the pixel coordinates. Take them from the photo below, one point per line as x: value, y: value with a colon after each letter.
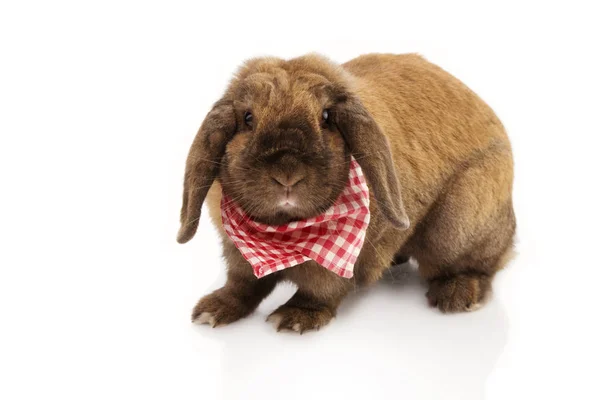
x: 300, y: 319
x: 219, y: 308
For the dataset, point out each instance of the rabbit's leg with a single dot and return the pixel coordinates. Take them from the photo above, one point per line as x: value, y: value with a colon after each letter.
x: 460, y: 292
x: 465, y: 284
x: 303, y: 312
x: 240, y: 296
x: 315, y: 303
x: 320, y: 291
x: 467, y: 236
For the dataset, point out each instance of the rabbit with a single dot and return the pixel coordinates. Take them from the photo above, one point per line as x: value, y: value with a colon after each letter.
x: 437, y: 161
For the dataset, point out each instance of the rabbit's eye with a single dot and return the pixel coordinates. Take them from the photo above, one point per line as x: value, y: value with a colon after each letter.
x: 248, y: 118
x: 325, y: 115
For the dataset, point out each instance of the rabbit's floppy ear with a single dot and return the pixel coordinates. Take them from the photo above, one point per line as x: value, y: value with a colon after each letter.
x: 371, y: 150
x: 203, y: 162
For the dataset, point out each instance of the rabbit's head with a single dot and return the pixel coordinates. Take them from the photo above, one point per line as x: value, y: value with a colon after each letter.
x: 280, y: 141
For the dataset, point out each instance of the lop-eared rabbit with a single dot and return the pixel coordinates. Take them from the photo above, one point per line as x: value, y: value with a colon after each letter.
x: 437, y: 162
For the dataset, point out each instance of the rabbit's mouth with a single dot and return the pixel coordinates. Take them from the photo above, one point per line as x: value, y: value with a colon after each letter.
x: 288, y: 202
x: 287, y: 189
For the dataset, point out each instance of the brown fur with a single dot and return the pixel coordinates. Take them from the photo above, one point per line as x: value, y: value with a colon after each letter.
x: 437, y: 161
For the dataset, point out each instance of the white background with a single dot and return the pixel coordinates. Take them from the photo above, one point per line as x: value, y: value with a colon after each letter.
x: 99, y: 102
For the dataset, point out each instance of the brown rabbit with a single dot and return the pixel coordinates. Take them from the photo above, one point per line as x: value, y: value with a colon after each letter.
x: 432, y: 151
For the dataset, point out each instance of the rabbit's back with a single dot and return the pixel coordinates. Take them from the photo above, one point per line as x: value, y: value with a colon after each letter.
x: 434, y: 122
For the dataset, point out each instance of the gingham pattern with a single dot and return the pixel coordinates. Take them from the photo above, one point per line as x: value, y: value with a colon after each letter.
x: 333, y: 239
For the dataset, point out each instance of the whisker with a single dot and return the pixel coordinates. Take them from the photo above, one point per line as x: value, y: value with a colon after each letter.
x: 249, y: 169
x: 364, y: 155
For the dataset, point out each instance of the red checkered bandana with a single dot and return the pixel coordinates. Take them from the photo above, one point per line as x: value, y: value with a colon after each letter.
x: 333, y: 239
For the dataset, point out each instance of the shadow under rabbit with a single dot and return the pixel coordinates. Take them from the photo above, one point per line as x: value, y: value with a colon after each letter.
x: 385, y: 342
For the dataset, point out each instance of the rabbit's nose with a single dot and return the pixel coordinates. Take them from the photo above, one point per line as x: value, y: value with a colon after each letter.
x: 287, y: 180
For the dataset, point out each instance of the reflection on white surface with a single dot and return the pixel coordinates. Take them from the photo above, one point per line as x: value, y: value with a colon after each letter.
x: 385, y: 343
